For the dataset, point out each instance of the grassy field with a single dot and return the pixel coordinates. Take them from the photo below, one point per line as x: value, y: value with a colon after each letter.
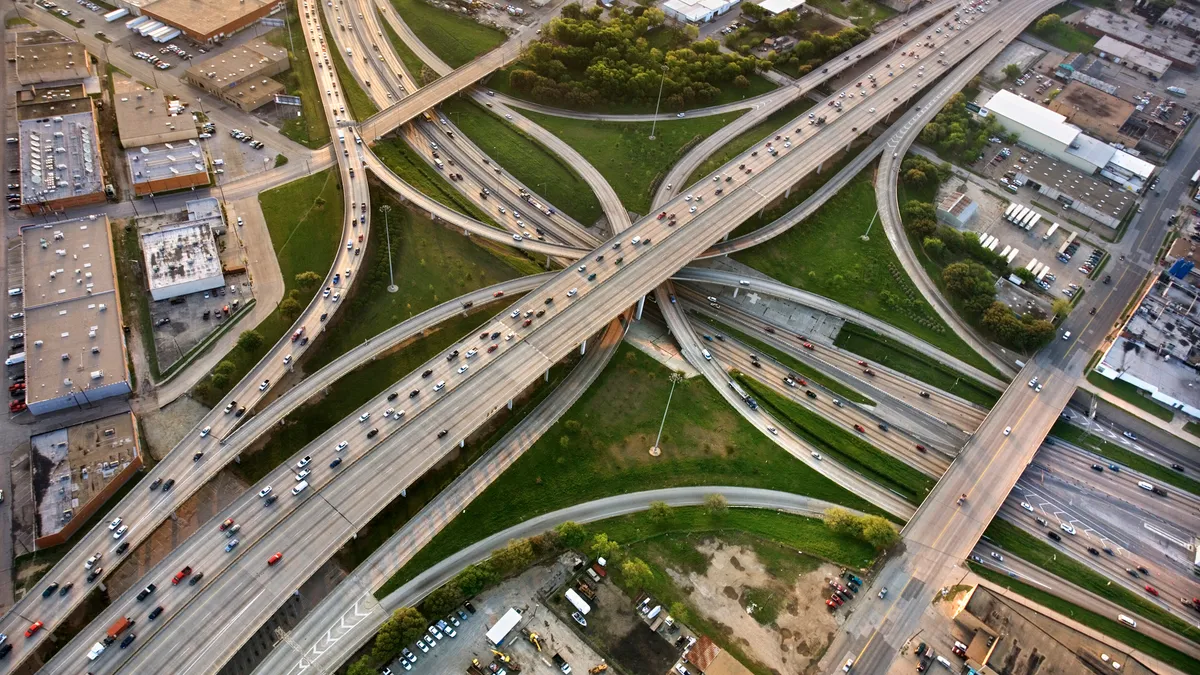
x: 15, y: 21
x: 860, y: 456
x: 431, y: 263
x: 405, y: 163
x: 861, y: 12
x: 527, y: 160
x: 1120, y: 455
x: 420, y: 71
x: 795, y: 366
x: 1092, y: 620
x: 310, y: 129
x: 623, y: 153
x: 1035, y: 551
x: 599, y: 448
x: 1192, y: 428
x: 456, y: 39
x: 135, y: 301
x: 1130, y: 394
x: 359, y: 104
x: 875, y: 347
x: 304, y: 218
x: 825, y: 255
x: 1066, y: 37
x: 754, y: 134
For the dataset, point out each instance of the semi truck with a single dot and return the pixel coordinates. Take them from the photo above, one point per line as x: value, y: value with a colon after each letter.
x: 1004, y: 252
x: 1032, y: 264
x: 1019, y: 214
x: 1066, y: 244
x: 114, y: 631
x: 992, y: 246
x: 116, y: 14
x: 1028, y: 218
x: 1033, y: 222
x: 1012, y: 255
x: 1050, y: 232
x: 1012, y: 208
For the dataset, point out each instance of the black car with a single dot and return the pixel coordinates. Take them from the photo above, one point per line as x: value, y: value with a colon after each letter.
x: 65, y: 589
x: 469, y: 606
x: 270, y: 500
x: 496, y: 335
x: 50, y: 590
x: 240, y: 411
x: 540, y: 313
x: 155, y: 612
x: 1097, y: 467
x: 1143, y: 570
x: 392, y: 396
x: 94, y: 574
x: 155, y: 485
x: 442, y: 433
x: 5, y: 649
x: 549, y: 300
x: 1054, y: 535
x: 128, y: 640
x: 145, y: 592
x: 196, y: 578
x: 883, y: 426
x: 427, y: 373
x: 124, y: 546
x: 413, y: 393
x: 810, y: 393
x: 1177, y: 467
x: 196, y: 457
x: 372, y: 433
x: 1093, y: 551
x: 169, y: 484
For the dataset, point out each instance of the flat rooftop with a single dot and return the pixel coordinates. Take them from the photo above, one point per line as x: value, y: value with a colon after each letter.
x: 1130, y: 30
x: 177, y: 254
x: 47, y: 56
x: 1070, y: 181
x: 204, y: 16
x: 1131, y: 54
x: 60, y: 155
x: 1102, y: 108
x: 144, y: 117
x: 1159, y: 344
x: 71, y: 308
x: 165, y: 160
x: 1029, y: 114
x: 237, y: 65
x: 73, y: 465
x: 41, y: 101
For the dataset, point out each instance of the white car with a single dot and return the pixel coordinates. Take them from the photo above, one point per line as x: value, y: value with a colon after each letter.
x: 114, y: 524
x: 507, y: 116
x: 388, y: 412
x: 341, y: 446
x: 508, y: 337
x: 364, y: 417
x: 205, y: 431
x: 337, y: 296
x: 264, y: 385
x: 303, y: 474
x: 1007, y: 430
x: 462, y: 369
x: 440, y: 385
x: 304, y: 462
x: 1067, y: 335
x: 571, y: 293
x: 1027, y: 506
x: 516, y: 313
x: 816, y: 455
x: 773, y: 430
x: 635, y: 240
x: 91, y: 562
x: 471, y: 352
x: 265, y: 491
x: 1067, y: 527
x: 120, y: 532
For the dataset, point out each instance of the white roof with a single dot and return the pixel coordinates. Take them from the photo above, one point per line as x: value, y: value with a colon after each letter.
x: 1136, y: 55
x: 697, y: 10
x: 1093, y: 150
x: 1135, y: 165
x: 780, y: 6
x: 1027, y: 113
x: 497, y: 633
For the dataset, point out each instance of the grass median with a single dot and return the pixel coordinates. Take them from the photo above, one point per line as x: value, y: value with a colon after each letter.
x: 418, y: 69
x: 455, y: 39
x: 860, y: 456
x: 360, y: 104
x: 599, y: 448
x: 310, y: 128
x: 1130, y: 394
x: 1120, y: 455
x: 412, y: 169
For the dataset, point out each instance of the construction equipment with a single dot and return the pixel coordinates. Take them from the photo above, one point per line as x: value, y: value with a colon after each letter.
x: 598, y: 669
x: 536, y: 640
x: 586, y: 591
x: 506, y: 660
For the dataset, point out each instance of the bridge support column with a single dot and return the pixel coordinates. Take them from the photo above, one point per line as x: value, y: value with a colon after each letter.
x: 510, y: 404
x: 547, y: 376
x: 788, y: 192
x: 819, y: 167
x: 735, y: 293
x: 583, y: 348
x: 462, y: 443
x: 641, y: 304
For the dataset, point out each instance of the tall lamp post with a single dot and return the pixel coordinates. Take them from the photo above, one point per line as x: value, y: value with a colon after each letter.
x: 654, y: 122
x: 385, y: 210
x: 676, y: 378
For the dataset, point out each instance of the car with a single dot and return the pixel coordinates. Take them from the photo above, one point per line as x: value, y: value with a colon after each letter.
x: 433, y: 630
x: 1054, y: 536
x: 145, y: 592
x: 430, y: 641
x: 1067, y: 527
x: 196, y: 579
x: 91, y: 562
x: 1067, y: 335
x: 264, y: 385
x: 155, y: 613
x: 1027, y: 506
x: 33, y: 628
x: 462, y: 369
x: 240, y: 411
x: 274, y: 559
x: 849, y: 664
x: 1151, y: 590
x: 229, y: 408
x: 471, y: 352
x: 50, y: 590
x: 231, y: 545
x: 1130, y: 435
x: 180, y: 576
x: 1007, y: 430
x: 168, y: 485
x: 270, y: 500
x: 341, y: 446
x: 304, y: 474
x: 997, y: 556
x: 116, y: 522
x: 422, y: 647
x: 233, y: 530
x: 883, y: 593
x: 364, y: 417
x: 440, y: 385
x: 120, y: 532
x: 304, y: 462
x: 265, y: 491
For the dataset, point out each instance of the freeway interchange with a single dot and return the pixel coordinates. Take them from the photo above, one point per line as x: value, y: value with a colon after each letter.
x: 353, y: 469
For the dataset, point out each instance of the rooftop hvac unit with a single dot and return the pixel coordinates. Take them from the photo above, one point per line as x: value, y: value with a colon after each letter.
x: 97, y: 374
x: 67, y: 382
x: 37, y: 343
x: 95, y: 350
x: 103, y: 307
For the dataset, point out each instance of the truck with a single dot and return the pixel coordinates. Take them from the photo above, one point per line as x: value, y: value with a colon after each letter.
x: 114, y: 631
x: 561, y: 663
x: 1177, y: 91
x: 1012, y: 208
x: 1031, y: 264
x: 992, y: 246
x: 1012, y: 255
x: 1196, y: 177
x: 341, y: 136
x: 1019, y: 214
x: 1042, y: 275
x: 15, y: 359
x: 1005, y: 250
x: 1033, y: 222
x: 1028, y: 218
x: 116, y: 14
x: 1050, y: 232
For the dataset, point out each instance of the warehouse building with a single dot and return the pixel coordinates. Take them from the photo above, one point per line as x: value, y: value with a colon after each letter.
x: 1181, y: 21
x: 75, y: 348
x: 60, y: 155
x: 1074, y: 190
x: 697, y: 11
x: 1100, y: 114
x: 184, y: 258
x: 776, y: 7
x: 210, y: 20
x: 957, y: 210
x: 242, y: 75
x: 144, y: 117
x: 77, y: 469
x: 1134, y: 58
x: 1179, y: 51
x: 46, y: 59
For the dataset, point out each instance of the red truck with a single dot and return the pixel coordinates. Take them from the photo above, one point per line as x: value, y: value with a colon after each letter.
x: 114, y: 631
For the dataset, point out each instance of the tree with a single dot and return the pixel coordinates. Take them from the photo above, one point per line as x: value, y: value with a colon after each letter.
x: 1013, y: 72
x: 1048, y: 22
x: 680, y: 612
x: 226, y: 368
x: 603, y: 547
x: 842, y: 521
x: 1061, y: 307
x: 290, y: 307
x: 443, y: 599
x: 877, y: 531
x: 933, y: 246
x: 361, y: 667
x: 571, y: 534
x: 741, y: 82
x: 967, y: 279
x: 250, y: 340
x: 660, y: 511
x: 636, y: 572
x: 475, y: 578
x: 517, y: 554
x: 716, y: 504
x: 404, y: 626
x: 308, y: 280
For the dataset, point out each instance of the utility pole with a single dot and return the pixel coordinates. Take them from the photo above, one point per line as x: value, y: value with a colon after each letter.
x: 654, y: 122
x: 385, y: 210
x: 676, y: 378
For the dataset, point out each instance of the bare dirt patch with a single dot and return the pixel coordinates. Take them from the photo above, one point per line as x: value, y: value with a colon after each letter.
x: 164, y: 428
x: 804, y: 626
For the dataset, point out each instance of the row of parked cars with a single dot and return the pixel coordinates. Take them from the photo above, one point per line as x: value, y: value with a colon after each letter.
x: 244, y: 137
x: 436, y: 633
x: 152, y: 60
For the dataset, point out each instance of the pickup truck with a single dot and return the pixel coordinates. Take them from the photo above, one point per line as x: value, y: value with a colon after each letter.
x: 562, y: 664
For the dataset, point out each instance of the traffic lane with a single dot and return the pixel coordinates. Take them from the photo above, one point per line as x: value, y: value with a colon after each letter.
x: 1114, y: 432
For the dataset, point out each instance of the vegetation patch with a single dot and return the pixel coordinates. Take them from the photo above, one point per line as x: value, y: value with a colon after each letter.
x: 1051, y: 28
x: 1116, y: 453
x: 418, y: 69
x: 455, y: 39
x: 861, y: 12
x: 412, y: 169
x: 131, y: 282
x: 1130, y: 394
x: 310, y: 128
x: 623, y: 153
x: 812, y: 46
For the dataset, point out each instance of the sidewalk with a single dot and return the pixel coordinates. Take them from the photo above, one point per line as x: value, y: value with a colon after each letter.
x: 1174, y: 427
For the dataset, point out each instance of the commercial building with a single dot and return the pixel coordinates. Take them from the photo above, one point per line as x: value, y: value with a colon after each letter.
x: 1181, y: 21
x: 1100, y: 114
x: 697, y: 11
x: 210, y: 20
x: 184, y: 258
x: 957, y: 210
x: 1134, y: 58
x: 46, y: 58
x: 60, y: 154
x: 242, y: 75
x: 144, y: 117
x: 74, y: 345
x: 706, y: 658
x: 1156, y: 350
x: 1179, y: 51
x: 774, y: 7
x: 1074, y: 190
x: 77, y: 469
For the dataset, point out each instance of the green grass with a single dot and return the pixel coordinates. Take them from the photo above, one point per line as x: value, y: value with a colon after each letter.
x: 1065, y: 37
x: 623, y: 153
x: 1192, y: 428
x: 808, y: 373
x: 431, y: 264
x: 885, y: 351
x: 527, y: 160
x: 304, y: 218
x: 1037, y: 552
x: 748, y: 138
x: 1103, y: 624
x: 14, y: 21
x: 135, y: 301
x: 280, y: 159
x: 859, y: 455
x: 456, y: 39
x: 310, y: 129
x: 861, y: 12
x: 1130, y: 459
x: 600, y: 448
x: 359, y: 103
x: 408, y: 165
x: 1130, y: 394
x: 420, y: 71
x: 825, y: 255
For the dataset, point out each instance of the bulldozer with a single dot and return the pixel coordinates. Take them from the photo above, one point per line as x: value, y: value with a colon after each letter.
x: 598, y: 669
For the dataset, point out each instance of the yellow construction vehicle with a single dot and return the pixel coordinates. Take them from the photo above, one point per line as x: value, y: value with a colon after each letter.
x: 536, y: 640
x: 502, y: 656
x: 598, y: 669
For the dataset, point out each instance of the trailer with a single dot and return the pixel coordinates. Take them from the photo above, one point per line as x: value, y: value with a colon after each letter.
x: 984, y: 239
x: 157, y: 35
x: 1019, y: 214
x: 578, y: 602
x: 1063, y: 249
x: 137, y: 21
x: 1050, y: 232
x: 1028, y: 218
x: 148, y: 28
x: 1033, y: 222
x: 116, y: 14
x: 1012, y: 255
x: 1042, y: 275
x: 1004, y: 253
x: 169, y: 35
x: 1196, y: 177
x: 1032, y: 263
x: 1012, y: 208
x: 995, y: 242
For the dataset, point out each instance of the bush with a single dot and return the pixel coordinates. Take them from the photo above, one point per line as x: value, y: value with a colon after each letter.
x: 874, y: 530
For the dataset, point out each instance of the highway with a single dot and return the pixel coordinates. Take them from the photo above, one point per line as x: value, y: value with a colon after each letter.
x: 185, y: 465
x: 942, y: 532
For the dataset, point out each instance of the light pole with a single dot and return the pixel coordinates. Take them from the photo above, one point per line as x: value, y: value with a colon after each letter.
x: 385, y: 210
x: 654, y: 122
x: 676, y: 378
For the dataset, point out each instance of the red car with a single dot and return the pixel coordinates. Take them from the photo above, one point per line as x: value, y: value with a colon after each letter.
x: 859, y: 428
x: 37, y: 625
x: 920, y: 447
x: 181, y: 575
x: 274, y: 559
x: 492, y: 349
x: 526, y: 322
x: 497, y: 294
x: 808, y: 345
x: 802, y: 382
x: 227, y: 524
x: 662, y: 215
x: 1151, y: 590
x: 862, y: 363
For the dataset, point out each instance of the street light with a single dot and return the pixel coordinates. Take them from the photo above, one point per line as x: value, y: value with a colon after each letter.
x: 654, y: 122
x: 676, y: 378
x: 385, y: 210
